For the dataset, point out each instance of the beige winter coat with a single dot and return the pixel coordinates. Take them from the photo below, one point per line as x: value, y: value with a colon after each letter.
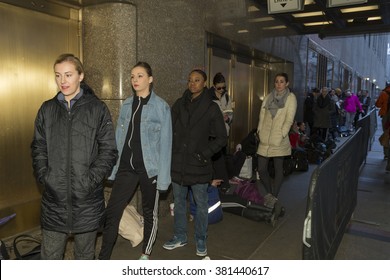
x: 273, y: 133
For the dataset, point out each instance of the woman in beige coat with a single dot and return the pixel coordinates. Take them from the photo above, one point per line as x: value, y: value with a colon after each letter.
x: 277, y: 114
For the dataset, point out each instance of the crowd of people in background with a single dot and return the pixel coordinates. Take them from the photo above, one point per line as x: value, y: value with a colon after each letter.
x: 330, y: 112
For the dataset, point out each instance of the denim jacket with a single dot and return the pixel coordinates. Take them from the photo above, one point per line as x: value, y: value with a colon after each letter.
x: 156, y: 138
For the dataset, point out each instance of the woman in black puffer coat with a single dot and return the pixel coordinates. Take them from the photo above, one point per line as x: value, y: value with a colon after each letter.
x: 73, y: 151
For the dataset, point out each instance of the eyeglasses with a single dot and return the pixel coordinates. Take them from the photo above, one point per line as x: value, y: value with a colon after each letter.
x: 219, y: 88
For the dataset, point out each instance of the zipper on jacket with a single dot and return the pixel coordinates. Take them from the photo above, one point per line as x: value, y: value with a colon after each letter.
x: 132, y: 131
x: 269, y: 138
x: 68, y: 164
x: 185, y: 152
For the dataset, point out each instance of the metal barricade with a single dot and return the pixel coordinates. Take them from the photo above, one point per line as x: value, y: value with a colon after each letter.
x: 332, y: 193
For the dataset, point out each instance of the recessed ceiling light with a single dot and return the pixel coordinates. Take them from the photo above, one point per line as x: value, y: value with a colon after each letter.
x: 275, y: 27
x: 374, y: 18
x: 317, y: 23
x: 311, y: 14
x: 359, y: 9
x: 261, y: 19
x: 243, y: 31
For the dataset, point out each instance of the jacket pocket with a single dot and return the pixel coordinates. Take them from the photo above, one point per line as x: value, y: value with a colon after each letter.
x: 197, y: 159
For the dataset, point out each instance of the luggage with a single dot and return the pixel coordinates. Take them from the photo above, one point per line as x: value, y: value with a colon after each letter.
x: 315, y: 156
x: 330, y: 144
x: 247, y: 190
x: 234, y: 204
x: 215, y: 210
x: 288, y: 166
x: 317, y: 151
x: 246, y: 169
x: 24, y: 241
x: 300, y: 159
x: 343, y: 131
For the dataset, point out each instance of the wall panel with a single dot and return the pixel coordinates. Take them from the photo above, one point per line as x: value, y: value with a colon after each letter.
x: 29, y: 45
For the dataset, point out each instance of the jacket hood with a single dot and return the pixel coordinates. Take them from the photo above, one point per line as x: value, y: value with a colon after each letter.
x: 87, y: 89
x: 204, y: 95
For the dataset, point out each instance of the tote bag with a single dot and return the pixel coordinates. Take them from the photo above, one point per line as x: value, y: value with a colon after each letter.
x: 246, y: 170
x: 131, y: 226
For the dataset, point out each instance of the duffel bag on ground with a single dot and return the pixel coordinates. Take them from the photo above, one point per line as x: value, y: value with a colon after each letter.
x: 215, y: 210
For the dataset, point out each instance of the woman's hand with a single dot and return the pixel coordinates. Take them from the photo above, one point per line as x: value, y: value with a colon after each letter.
x: 216, y: 182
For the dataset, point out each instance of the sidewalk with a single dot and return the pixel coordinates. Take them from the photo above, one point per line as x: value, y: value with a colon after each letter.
x: 238, y: 238
x: 368, y: 235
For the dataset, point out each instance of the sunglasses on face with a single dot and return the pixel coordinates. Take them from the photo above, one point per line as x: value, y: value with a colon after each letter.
x: 220, y: 88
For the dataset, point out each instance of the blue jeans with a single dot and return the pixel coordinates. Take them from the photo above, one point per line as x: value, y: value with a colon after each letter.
x: 200, y: 194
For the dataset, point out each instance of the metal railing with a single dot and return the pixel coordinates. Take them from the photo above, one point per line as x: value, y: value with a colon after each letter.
x: 332, y: 195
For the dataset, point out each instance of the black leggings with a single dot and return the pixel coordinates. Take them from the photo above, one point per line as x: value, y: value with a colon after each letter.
x: 123, y: 190
x: 265, y: 177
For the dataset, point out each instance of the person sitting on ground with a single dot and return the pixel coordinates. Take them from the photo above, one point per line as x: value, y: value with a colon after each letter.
x: 302, y: 130
x: 297, y: 140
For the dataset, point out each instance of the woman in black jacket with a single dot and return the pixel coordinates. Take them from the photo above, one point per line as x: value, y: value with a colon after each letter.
x: 73, y: 150
x: 198, y: 133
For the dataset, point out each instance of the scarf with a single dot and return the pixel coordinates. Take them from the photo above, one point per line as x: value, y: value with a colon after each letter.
x: 276, y: 101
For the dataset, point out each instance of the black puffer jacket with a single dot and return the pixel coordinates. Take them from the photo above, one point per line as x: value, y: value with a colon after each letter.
x: 198, y: 133
x: 72, y: 153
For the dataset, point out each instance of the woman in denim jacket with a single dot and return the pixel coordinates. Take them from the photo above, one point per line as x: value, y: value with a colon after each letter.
x: 144, y: 141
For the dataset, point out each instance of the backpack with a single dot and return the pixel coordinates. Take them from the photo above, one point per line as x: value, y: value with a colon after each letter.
x: 33, y: 245
x: 300, y: 159
x: 288, y: 166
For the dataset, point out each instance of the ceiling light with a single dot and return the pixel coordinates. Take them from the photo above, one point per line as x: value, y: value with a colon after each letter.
x: 227, y: 24
x: 374, y: 18
x: 360, y: 9
x: 311, y: 14
x: 275, y: 27
x: 261, y: 19
x: 243, y: 31
x: 317, y: 23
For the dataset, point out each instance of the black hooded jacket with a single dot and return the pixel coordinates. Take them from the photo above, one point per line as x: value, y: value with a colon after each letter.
x: 73, y: 151
x: 198, y: 133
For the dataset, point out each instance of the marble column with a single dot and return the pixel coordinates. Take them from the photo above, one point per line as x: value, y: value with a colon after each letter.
x: 109, y: 52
